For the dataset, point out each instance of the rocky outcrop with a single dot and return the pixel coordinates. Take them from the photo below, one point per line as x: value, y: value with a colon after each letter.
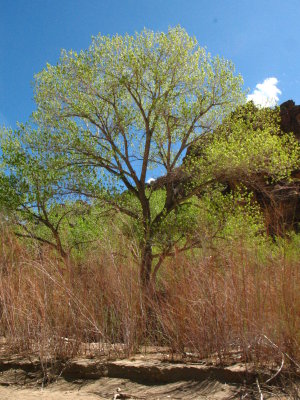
x: 280, y: 204
x: 149, y: 369
x: 290, y: 118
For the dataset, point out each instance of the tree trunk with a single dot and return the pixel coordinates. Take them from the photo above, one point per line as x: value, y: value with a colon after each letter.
x: 146, y: 265
x: 147, y: 257
x: 64, y: 255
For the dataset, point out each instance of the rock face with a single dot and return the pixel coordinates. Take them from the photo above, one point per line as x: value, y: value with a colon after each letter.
x: 290, y: 118
x: 280, y: 204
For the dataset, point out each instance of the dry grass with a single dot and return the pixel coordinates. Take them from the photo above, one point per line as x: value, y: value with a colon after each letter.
x: 242, y: 304
x: 234, y: 306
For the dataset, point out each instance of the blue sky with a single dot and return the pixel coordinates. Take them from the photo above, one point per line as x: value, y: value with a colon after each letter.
x: 261, y: 37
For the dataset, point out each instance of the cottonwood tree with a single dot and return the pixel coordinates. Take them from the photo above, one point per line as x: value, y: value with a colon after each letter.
x: 130, y: 104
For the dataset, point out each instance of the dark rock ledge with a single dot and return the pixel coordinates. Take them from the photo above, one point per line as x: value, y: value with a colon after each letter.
x: 149, y: 371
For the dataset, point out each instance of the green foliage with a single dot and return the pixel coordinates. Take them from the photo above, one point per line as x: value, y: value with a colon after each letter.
x: 178, y: 228
x: 221, y: 219
x: 249, y: 145
x: 27, y: 177
x: 286, y: 248
x: 35, y: 197
x: 132, y: 99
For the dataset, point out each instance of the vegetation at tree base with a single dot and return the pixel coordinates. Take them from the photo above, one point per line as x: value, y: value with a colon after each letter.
x: 84, y: 235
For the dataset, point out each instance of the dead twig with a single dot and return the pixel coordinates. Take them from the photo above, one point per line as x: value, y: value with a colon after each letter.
x: 259, y: 390
x: 278, y: 372
x: 285, y: 354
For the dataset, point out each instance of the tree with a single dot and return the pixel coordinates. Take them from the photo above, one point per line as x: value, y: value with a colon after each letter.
x: 130, y: 104
x: 34, y: 195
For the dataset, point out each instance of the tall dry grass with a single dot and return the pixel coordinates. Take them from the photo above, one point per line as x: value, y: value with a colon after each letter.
x: 233, y: 306
x: 50, y: 307
x: 238, y: 304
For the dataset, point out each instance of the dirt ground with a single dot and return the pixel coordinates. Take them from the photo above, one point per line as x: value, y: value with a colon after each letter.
x: 17, y: 385
x: 108, y: 388
x: 144, y: 376
x: 24, y: 383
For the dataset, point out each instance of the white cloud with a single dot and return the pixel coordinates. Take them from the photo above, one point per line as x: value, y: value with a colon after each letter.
x: 151, y: 180
x: 266, y: 93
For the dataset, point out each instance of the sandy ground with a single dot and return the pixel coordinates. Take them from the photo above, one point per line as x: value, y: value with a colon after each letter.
x: 144, y: 376
x: 30, y: 394
x: 107, y: 388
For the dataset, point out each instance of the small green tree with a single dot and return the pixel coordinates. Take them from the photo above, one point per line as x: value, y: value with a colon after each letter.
x: 35, y: 197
